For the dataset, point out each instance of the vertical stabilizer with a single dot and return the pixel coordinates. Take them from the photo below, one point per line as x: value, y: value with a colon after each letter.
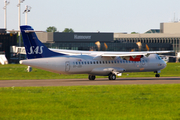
x: 34, y: 47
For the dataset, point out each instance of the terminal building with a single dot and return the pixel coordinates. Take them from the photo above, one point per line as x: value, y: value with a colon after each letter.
x: 156, y: 39
x: 169, y: 33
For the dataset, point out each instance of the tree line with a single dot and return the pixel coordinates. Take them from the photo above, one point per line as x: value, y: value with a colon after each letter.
x: 54, y: 29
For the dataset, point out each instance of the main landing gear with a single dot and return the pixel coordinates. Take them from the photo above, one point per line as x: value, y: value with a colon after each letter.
x: 112, y: 77
x: 92, y: 77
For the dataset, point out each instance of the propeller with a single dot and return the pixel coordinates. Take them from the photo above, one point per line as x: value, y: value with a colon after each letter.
x: 99, y: 46
x: 139, y: 45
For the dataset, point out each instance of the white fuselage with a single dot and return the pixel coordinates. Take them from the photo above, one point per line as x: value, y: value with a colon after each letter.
x: 86, y: 64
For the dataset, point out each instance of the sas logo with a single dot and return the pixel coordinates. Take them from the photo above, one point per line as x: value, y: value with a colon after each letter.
x: 37, y: 50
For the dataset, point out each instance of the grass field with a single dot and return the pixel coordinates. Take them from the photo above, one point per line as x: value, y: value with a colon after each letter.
x: 18, y: 72
x: 122, y: 102
x: 137, y: 102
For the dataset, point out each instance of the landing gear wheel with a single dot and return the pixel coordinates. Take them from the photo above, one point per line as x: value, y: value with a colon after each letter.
x: 92, y: 77
x: 112, y: 77
x: 157, y: 75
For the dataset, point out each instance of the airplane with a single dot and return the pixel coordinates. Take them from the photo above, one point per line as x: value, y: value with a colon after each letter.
x: 93, y: 63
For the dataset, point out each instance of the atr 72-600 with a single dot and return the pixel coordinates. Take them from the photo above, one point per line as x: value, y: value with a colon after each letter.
x: 93, y: 63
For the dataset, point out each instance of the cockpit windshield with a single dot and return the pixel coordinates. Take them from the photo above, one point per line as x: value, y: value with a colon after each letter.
x: 159, y: 57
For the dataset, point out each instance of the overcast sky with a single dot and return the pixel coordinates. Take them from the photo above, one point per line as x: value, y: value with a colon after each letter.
x: 93, y: 15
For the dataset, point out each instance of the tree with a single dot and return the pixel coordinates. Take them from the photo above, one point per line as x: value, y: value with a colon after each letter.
x: 51, y: 29
x: 134, y: 33
x: 68, y: 30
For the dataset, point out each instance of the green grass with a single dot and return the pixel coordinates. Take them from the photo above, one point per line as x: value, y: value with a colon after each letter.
x: 135, y: 102
x: 19, y: 72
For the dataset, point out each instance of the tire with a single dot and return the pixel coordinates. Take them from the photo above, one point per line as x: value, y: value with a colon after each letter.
x: 157, y: 75
x: 92, y: 77
x: 112, y: 77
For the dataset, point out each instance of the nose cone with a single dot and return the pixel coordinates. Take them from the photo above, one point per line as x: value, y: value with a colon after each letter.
x: 163, y: 64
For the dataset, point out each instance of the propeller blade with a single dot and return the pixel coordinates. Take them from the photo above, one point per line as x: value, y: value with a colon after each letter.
x: 139, y: 45
x: 105, y: 45
x: 147, y: 47
x: 98, y: 45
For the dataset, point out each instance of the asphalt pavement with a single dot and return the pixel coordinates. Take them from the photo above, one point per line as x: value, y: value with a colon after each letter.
x: 80, y: 82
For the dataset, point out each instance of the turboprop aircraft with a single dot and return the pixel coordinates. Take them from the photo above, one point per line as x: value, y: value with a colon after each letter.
x: 92, y: 63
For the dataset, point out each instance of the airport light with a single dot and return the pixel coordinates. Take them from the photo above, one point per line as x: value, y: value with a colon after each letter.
x: 19, y: 19
x: 19, y: 22
x: 5, y: 13
x: 27, y: 9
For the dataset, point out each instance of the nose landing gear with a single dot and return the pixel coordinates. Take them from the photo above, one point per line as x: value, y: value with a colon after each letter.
x: 157, y: 73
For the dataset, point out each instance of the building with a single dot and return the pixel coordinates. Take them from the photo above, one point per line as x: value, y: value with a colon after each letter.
x: 86, y: 41
x: 7, y: 40
x: 169, y: 33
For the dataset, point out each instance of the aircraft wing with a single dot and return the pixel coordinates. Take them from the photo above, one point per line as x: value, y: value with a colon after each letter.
x: 108, y: 54
x: 115, y: 54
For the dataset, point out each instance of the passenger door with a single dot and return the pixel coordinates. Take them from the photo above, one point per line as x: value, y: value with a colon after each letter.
x: 67, y: 66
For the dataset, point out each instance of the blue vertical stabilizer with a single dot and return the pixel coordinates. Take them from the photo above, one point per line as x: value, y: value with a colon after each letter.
x: 34, y: 47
